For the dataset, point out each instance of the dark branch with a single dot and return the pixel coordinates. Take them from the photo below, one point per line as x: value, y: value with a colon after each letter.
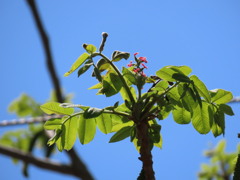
x: 41, y: 163
x: 77, y: 163
x: 47, y: 49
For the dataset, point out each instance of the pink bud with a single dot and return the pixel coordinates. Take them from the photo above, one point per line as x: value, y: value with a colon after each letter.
x: 135, y: 53
x: 144, y: 66
x: 143, y: 59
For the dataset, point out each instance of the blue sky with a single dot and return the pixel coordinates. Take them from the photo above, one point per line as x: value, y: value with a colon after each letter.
x: 204, y: 35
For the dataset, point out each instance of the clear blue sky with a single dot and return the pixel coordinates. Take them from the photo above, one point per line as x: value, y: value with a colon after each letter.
x: 204, y: 35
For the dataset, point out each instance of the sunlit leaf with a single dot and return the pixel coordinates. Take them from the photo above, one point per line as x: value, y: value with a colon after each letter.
x: 90, y: 48
x: 86, y: 130
x: 80, y: 60
x: 104, y: 123
x: 220, y: 96
x: 69, y: 133
x: 202, y: 89
x: 181, y: 115
x: 96, y: 86
x: 127, y: 74
x: 55, y: 108
x: 53, y: 124
x: 202, y: 118
x: 56, y: 136
x: 167, y: 72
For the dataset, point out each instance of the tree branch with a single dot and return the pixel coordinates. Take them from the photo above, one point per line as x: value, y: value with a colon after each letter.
x: 235, y: 99
x: 30, y: 120
x: 41, y: 163
x: 47, y: 49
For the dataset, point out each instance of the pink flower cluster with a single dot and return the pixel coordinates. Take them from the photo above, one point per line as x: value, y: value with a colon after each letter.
x: 139, y: 61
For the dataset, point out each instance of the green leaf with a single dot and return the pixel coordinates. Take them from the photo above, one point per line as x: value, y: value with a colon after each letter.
x: 226, y: 109
x: 121, y: 134
x: 112, y: 84
x: 202, y: 89
x: 92, y: 113
x: 86, y: 66
x: 86, y: 130
x: 97, y: 73
x: 103, y: 65
x: 202, y: 118
x: 69, y: 133
x: 181, y: 115
x: 181, y: 77
x: 53, y: 124
x: 118, y: 55
x: 96, y: 86
x: 80, y: 60
x: 90, y: 48
x: 104, y: 123
x: 220, y: 96
x: 127, y: 74
x: 161, y: 86
x: 55, y: 108
x: 218, y: 127
x: 167, y: 72
x: 56, y: 136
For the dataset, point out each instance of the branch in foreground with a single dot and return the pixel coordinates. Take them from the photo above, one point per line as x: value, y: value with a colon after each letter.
x: 47, y: 49
x: 42, y: 163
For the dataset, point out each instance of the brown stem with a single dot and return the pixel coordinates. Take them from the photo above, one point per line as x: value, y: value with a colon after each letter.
x: 145, y: 150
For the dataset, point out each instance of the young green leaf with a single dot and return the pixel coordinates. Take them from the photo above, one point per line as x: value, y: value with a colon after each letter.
x: 86, y: 66
x: 112, y: 84
x: 103, y: 65
x: 86, y: 130
x: 121, y: 134
x: 202, y: 89
x: 104, y: 123
x: 181, y: 115
x: 80, y: 60
x: 53, y: 124
x: 118, y: 55
x: 55, y: 108
x: 90, y: 48
x: 69, y: 133
x: 96, y: 86
x: 202, y: 118
x: 220, y: 96
x: 92, y: 113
